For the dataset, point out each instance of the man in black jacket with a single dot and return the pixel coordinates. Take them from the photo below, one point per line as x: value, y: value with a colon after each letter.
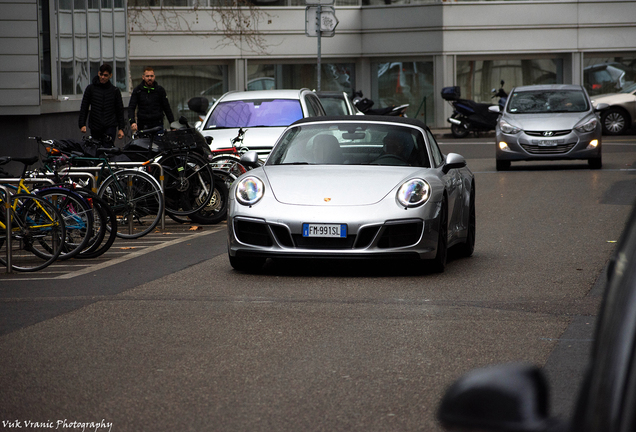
x: 150, y: 101
x: 106, y: 118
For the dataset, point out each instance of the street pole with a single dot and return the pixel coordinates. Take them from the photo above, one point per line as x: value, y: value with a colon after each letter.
x: 318, y: 31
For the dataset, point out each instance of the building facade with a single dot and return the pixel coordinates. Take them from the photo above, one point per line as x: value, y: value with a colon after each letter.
x: 393, y: 52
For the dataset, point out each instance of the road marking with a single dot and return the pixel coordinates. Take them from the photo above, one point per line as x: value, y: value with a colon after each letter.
x: 137, y: 254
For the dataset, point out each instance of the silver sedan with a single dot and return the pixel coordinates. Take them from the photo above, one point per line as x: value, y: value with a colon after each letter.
x: 548, y: 122
x: 346, y: 187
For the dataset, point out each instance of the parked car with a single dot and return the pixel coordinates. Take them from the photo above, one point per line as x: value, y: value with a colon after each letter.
x: 337, y: 103
x: 548, y: 122
x: 515, y: 397
x: 367, y: 187
x: 606, y: 78
x: 621, y: 114
x: 263, y: 115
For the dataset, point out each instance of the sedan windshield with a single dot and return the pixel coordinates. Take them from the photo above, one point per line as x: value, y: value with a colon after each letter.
x: 254, y: 113
x: 351, y: 144
x: 547, y: 101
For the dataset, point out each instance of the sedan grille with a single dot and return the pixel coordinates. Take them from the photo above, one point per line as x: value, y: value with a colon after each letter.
x: 543, y: 150
x: 548, y: 134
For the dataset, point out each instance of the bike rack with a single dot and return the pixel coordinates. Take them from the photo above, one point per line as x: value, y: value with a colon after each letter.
x: 122, y: 165
x: 90, y: 177
x: 7, y: 222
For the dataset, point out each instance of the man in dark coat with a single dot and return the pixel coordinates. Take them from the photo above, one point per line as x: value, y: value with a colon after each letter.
x: 150, y: 101
x: 106, y: 118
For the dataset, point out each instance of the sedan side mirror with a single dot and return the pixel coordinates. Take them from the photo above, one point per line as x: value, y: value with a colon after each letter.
x: 494, y: 108
x: 510, y: 397
x: 601, y: 106
x: 454, y: 161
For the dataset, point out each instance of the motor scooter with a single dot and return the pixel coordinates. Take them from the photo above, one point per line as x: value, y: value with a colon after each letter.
x: 364, y: 105
x: 470, y: 116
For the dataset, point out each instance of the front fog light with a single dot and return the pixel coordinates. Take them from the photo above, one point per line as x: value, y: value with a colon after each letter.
x: 503, y: 146
x: 592, y: 145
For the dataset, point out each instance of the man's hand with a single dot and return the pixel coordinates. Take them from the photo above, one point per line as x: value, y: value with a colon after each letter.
x: 83, y: 129
x: 120, y: 134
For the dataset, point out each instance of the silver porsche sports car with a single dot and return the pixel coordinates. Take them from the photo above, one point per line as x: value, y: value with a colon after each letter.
x: 352, y: 187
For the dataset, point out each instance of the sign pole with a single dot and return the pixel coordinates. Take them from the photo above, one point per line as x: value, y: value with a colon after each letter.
x: 318, y: 31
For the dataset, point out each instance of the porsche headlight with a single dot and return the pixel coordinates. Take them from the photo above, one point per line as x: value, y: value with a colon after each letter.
x: 587, y: 126
x: 413, y: 193
x: 249, y: 191
x: 507, y: 128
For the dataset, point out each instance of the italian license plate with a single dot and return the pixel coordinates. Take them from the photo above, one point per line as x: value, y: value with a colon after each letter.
x: 547, y: 143
x: 325, y: 230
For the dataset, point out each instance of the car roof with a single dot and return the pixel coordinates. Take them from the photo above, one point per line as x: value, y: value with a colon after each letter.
x: 263, y: 94
x: 338, y: 94
x: 363, y: 119
x: 548, y: 87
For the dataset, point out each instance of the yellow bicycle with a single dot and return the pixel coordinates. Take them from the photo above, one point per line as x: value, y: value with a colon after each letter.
x: 32, y: 232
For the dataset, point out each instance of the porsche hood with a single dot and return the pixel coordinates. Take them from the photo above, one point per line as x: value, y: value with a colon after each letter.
x: 335, y: 185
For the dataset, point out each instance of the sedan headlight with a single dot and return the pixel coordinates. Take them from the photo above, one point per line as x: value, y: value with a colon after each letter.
x: 587, y: 126
x: 249, y: 191
x: 507, y: 128
x: 414, y: 192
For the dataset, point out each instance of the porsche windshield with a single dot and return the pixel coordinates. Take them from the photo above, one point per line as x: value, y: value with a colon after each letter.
x: 254, y: 113
x: 351, y: 144
x: 547, y: 101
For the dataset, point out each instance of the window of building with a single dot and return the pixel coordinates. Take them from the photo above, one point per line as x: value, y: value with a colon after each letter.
x: 477, y: 78
x: 333, y: 77
x: 404, y: 82
x: 90, y: 33
x: 183, y: 82
x: 608, y: 73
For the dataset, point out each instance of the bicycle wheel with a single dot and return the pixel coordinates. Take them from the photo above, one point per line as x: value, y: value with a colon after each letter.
x: 216, y: 209
x: 137, y: 200
x: 78, y: 219
x: 228, y: 163
x: 104, y: 227
x: 34, y: 222
x: 188, y: 183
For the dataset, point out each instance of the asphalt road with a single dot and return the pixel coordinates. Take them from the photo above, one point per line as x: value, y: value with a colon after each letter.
x: 167, y: 337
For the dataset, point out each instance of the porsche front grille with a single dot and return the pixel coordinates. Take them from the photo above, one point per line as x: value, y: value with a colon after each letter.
x: 393, y: 235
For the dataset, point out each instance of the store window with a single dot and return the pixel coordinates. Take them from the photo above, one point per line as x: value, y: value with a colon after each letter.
x: 91, y: 32
x: 608, y: 73
x: 404, y: 82
x: 183, y: 82
x: 477, y: 78
x: 333, y: 77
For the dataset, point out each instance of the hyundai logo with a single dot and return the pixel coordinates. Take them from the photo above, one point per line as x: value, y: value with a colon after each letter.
x: 548, y: 133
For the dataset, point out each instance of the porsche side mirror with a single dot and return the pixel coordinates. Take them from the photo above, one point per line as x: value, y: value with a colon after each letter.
x: 494, y: 108
x: 508, y: 397
x: 250, y: 159
x: 453, y: 161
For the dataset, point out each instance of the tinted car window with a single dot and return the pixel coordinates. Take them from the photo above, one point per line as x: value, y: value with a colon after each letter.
x: 541, y: 101
x: 351, y: 144
x: 252, y: 113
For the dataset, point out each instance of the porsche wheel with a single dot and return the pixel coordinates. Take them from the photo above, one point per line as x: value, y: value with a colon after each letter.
x: 438, y: 264
x: 467, y: 248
